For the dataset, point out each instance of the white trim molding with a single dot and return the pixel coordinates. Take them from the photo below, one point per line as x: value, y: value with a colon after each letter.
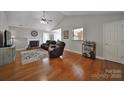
x: 98, y: 57
x: 20, y: 49
x: 73, y: 51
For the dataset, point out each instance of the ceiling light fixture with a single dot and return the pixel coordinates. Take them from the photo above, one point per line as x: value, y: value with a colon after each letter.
x: 44, y: 20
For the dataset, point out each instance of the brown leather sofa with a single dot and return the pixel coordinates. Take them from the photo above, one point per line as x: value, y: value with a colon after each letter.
x: 46, y: 45
x: 55, y: 49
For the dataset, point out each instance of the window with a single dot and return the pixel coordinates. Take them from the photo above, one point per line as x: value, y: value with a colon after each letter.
x: 46, y: 36
x: 78, y: 34
x: 57, y: 34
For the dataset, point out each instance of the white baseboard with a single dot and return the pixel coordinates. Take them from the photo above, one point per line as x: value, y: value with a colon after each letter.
x: 73, y: 51
x: 20, y: 49
x: 98, y: 57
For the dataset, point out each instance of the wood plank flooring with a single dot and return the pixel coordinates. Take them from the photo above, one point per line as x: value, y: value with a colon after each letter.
x: 70, y: 67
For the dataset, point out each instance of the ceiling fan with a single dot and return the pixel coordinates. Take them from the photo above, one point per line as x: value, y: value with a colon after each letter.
x: 44, y: 20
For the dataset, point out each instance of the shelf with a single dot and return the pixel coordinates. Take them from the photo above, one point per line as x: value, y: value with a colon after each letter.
x: 89, y: 49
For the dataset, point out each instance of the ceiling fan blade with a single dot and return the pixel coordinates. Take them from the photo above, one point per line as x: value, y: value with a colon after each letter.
x: 44, y: 19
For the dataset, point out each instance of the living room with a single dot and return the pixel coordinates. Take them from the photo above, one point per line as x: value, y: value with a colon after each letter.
x: 61, y: 46
x: 51, y: 45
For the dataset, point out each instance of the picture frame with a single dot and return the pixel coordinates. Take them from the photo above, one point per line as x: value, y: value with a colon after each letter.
x: 66, y: 34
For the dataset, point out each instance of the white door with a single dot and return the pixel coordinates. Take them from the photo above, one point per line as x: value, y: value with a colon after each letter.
x: 122, y: 42
x: 112, y: 41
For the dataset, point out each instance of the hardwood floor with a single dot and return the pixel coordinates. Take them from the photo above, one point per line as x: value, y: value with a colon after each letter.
x: 71, y: 67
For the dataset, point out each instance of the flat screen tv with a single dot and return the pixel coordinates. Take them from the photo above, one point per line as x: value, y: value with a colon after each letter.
x: 1, y: 39
x: 7, y: 39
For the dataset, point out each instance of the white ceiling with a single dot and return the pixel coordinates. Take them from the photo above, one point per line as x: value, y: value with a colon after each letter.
x: 31, y: 19
x: 70, y: 13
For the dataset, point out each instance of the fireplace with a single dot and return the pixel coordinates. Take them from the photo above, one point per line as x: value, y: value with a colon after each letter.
x: 33, y: 44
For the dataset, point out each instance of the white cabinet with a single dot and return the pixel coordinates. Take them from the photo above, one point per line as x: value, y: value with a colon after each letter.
x: 113, y: 41
x: 1, y: 57
x: 7, y: 55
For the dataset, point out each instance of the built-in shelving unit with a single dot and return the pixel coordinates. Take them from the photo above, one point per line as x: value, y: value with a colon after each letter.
x: 89, y: 49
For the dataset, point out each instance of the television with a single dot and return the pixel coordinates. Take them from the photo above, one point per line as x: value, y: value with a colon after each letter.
x: 1, y: 39
x: 7, y: 39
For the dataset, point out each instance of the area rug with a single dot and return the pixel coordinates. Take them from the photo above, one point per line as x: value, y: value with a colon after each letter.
x: 33, y: 55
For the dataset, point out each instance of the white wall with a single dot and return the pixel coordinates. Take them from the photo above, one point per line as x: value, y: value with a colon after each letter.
x: 93, y: 30
x: 23, y: 36
x: 3, y: 21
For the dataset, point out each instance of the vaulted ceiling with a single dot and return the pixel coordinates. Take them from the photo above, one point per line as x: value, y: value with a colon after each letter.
x: 31, y: 19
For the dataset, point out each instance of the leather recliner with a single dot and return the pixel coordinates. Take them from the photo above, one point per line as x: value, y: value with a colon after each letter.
x: 58, y: 50
x: 46, y: 45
